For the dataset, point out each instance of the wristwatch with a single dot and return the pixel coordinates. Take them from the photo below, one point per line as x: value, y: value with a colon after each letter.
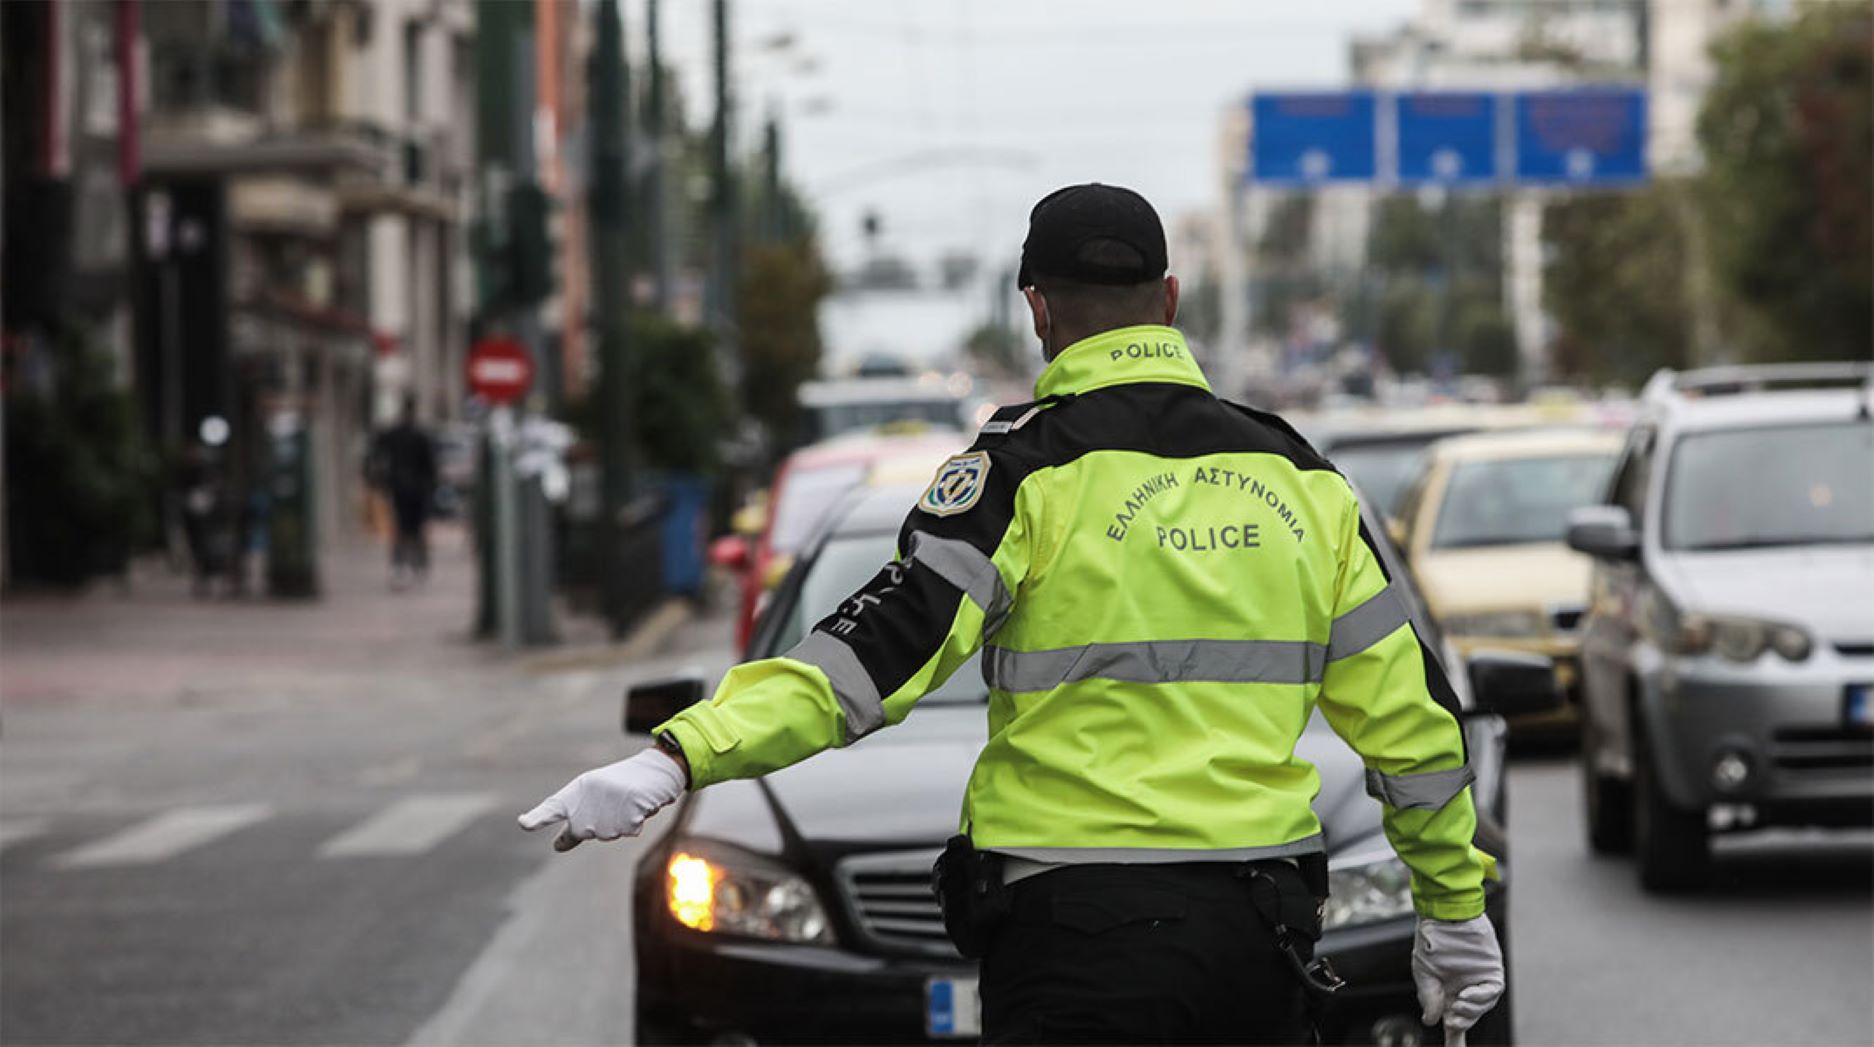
x: 668, y: 745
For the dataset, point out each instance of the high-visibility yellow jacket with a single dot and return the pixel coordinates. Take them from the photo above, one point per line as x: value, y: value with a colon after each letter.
x: 1167, y: 585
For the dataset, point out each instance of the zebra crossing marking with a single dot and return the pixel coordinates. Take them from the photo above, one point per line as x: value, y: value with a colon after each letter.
x: 164, y: 836
x: 410, y: 826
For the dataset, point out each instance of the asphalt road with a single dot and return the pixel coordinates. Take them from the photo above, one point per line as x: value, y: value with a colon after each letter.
x: 329, y: 856
x: 1779, y: 950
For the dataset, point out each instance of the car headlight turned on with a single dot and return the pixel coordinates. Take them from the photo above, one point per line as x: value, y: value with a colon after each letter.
x: 742, y: 895
x: 1497, y: 623
x: 1740, y: 639
x: 1367, y: 888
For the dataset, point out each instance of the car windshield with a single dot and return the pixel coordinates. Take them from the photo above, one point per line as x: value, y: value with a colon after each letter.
x: 845, y: 564
x: 1382, y: 471
x: 1755, y: 488
x: 835, y: 419
x: 804, y: 498
x: 1517, y: 501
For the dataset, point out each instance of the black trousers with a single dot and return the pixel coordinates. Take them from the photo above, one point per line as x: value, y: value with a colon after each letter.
x: 409, y: 548
x: 1142, y: 954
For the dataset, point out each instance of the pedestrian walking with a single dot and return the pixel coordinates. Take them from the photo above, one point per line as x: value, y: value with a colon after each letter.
x: 1172, y: 584
x: 403, y: 464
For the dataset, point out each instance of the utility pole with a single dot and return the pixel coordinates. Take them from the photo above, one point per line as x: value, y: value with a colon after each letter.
x: 655, y: 205
x: 773, y: 218
x: 609, y: 84
x: 515, y: 269
x: 727, y: 263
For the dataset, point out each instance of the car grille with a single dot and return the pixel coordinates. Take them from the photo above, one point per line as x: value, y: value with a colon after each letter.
x: 1566, y: 619
x: 889, y: 897
x: 1822, y: 749
x: 1854, y: 650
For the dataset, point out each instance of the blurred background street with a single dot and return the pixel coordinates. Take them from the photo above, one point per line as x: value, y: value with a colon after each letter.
x: 391, y: 387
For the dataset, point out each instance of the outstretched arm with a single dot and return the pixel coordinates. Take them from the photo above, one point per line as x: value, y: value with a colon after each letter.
x: 964, y: 554
x: 899, y: 637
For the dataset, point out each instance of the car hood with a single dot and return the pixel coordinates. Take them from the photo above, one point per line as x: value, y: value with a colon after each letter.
x: 904, y: 787
x: 1823, y: 588
x: 1465, y: 581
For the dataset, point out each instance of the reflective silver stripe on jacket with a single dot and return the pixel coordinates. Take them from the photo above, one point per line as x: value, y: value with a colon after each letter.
x: 1161, y: 855
x: 1376, y: 619
x: 1429, y: 790
x: 1157, y: 661
x: 858, y: 696
x: 964, y: 566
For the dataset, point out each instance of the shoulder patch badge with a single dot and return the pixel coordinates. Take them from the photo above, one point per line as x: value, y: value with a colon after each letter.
x: 958, y: 485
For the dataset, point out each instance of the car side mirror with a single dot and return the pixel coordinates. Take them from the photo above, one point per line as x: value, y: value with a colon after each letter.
x: 1604, y: 532
x: 650, y: 704
x: 1512, y: 683
x: 730, y: 552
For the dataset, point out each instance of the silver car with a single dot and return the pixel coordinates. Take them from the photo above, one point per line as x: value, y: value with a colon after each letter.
x: 1728, y: 650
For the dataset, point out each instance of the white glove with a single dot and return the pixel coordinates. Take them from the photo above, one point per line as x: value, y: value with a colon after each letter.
x: 608, y: 802
x: 1458, y: 967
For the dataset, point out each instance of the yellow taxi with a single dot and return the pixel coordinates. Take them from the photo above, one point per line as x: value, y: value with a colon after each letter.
x: 1482, y: 527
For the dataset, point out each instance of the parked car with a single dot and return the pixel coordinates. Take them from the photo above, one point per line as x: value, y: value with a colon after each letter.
x: 1728, y: 653
x: 807, y: 484
x: 798, y: 906
x: 1482, y: 530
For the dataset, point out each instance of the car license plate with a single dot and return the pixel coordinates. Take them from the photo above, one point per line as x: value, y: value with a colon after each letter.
x: 1857, y: 710
x: 952, y: 1009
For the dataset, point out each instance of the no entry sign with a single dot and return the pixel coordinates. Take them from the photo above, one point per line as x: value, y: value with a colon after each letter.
x: 499, y: 370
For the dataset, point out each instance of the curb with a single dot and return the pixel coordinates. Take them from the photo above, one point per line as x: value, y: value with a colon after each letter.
x: 646, y: 639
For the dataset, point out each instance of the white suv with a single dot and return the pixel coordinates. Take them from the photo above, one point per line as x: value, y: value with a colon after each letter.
x: 1728, y: 648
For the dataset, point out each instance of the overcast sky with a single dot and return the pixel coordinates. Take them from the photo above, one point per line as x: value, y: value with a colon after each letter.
x: 949, y: 118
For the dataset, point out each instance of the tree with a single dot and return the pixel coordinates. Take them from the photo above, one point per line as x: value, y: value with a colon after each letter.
x: 1616, y: 285
x: 1788, y: 136
x: 679, y: 405
x: 81, y: 481
x: 995, y: 349
x: 782, y: 286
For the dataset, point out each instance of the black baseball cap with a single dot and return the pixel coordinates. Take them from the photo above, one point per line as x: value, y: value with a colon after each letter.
x: 1067, y: 223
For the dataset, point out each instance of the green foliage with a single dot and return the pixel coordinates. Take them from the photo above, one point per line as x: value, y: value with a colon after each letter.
x: 995, y: 349
x: 1285, y: 233
x: 1788, y: 136
x: 1616, y: 284
x: 1408, y: 324
x: 678, y: 402
x: 81, y: 481
x: 1419, y: 253
x: 1464, y: 234
x: 779, y: 313
x: 1486, y: 340
x: 679, y: 408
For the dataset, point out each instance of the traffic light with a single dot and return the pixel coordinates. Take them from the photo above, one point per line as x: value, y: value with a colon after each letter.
x: 519, y: 266
x: 534, y: 261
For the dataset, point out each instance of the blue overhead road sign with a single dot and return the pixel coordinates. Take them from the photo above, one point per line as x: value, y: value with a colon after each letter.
x: 1305, y: 138
x: 1593, y: 136
x: 1446, y: 137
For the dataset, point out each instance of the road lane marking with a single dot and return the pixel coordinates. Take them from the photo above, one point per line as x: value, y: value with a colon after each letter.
x: 409, y: 826
x: 164, y: 836
x: 17, y: 829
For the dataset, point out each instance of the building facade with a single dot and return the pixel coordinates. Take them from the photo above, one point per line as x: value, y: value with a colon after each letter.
x: 304, y: 192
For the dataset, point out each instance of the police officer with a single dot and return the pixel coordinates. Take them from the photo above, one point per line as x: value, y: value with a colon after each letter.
x: 1164, y: 586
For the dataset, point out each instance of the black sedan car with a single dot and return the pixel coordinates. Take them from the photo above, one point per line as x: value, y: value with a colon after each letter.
x: 798, y: 906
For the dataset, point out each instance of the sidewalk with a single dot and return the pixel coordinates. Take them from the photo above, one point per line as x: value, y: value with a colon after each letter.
x: 154, y: 640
